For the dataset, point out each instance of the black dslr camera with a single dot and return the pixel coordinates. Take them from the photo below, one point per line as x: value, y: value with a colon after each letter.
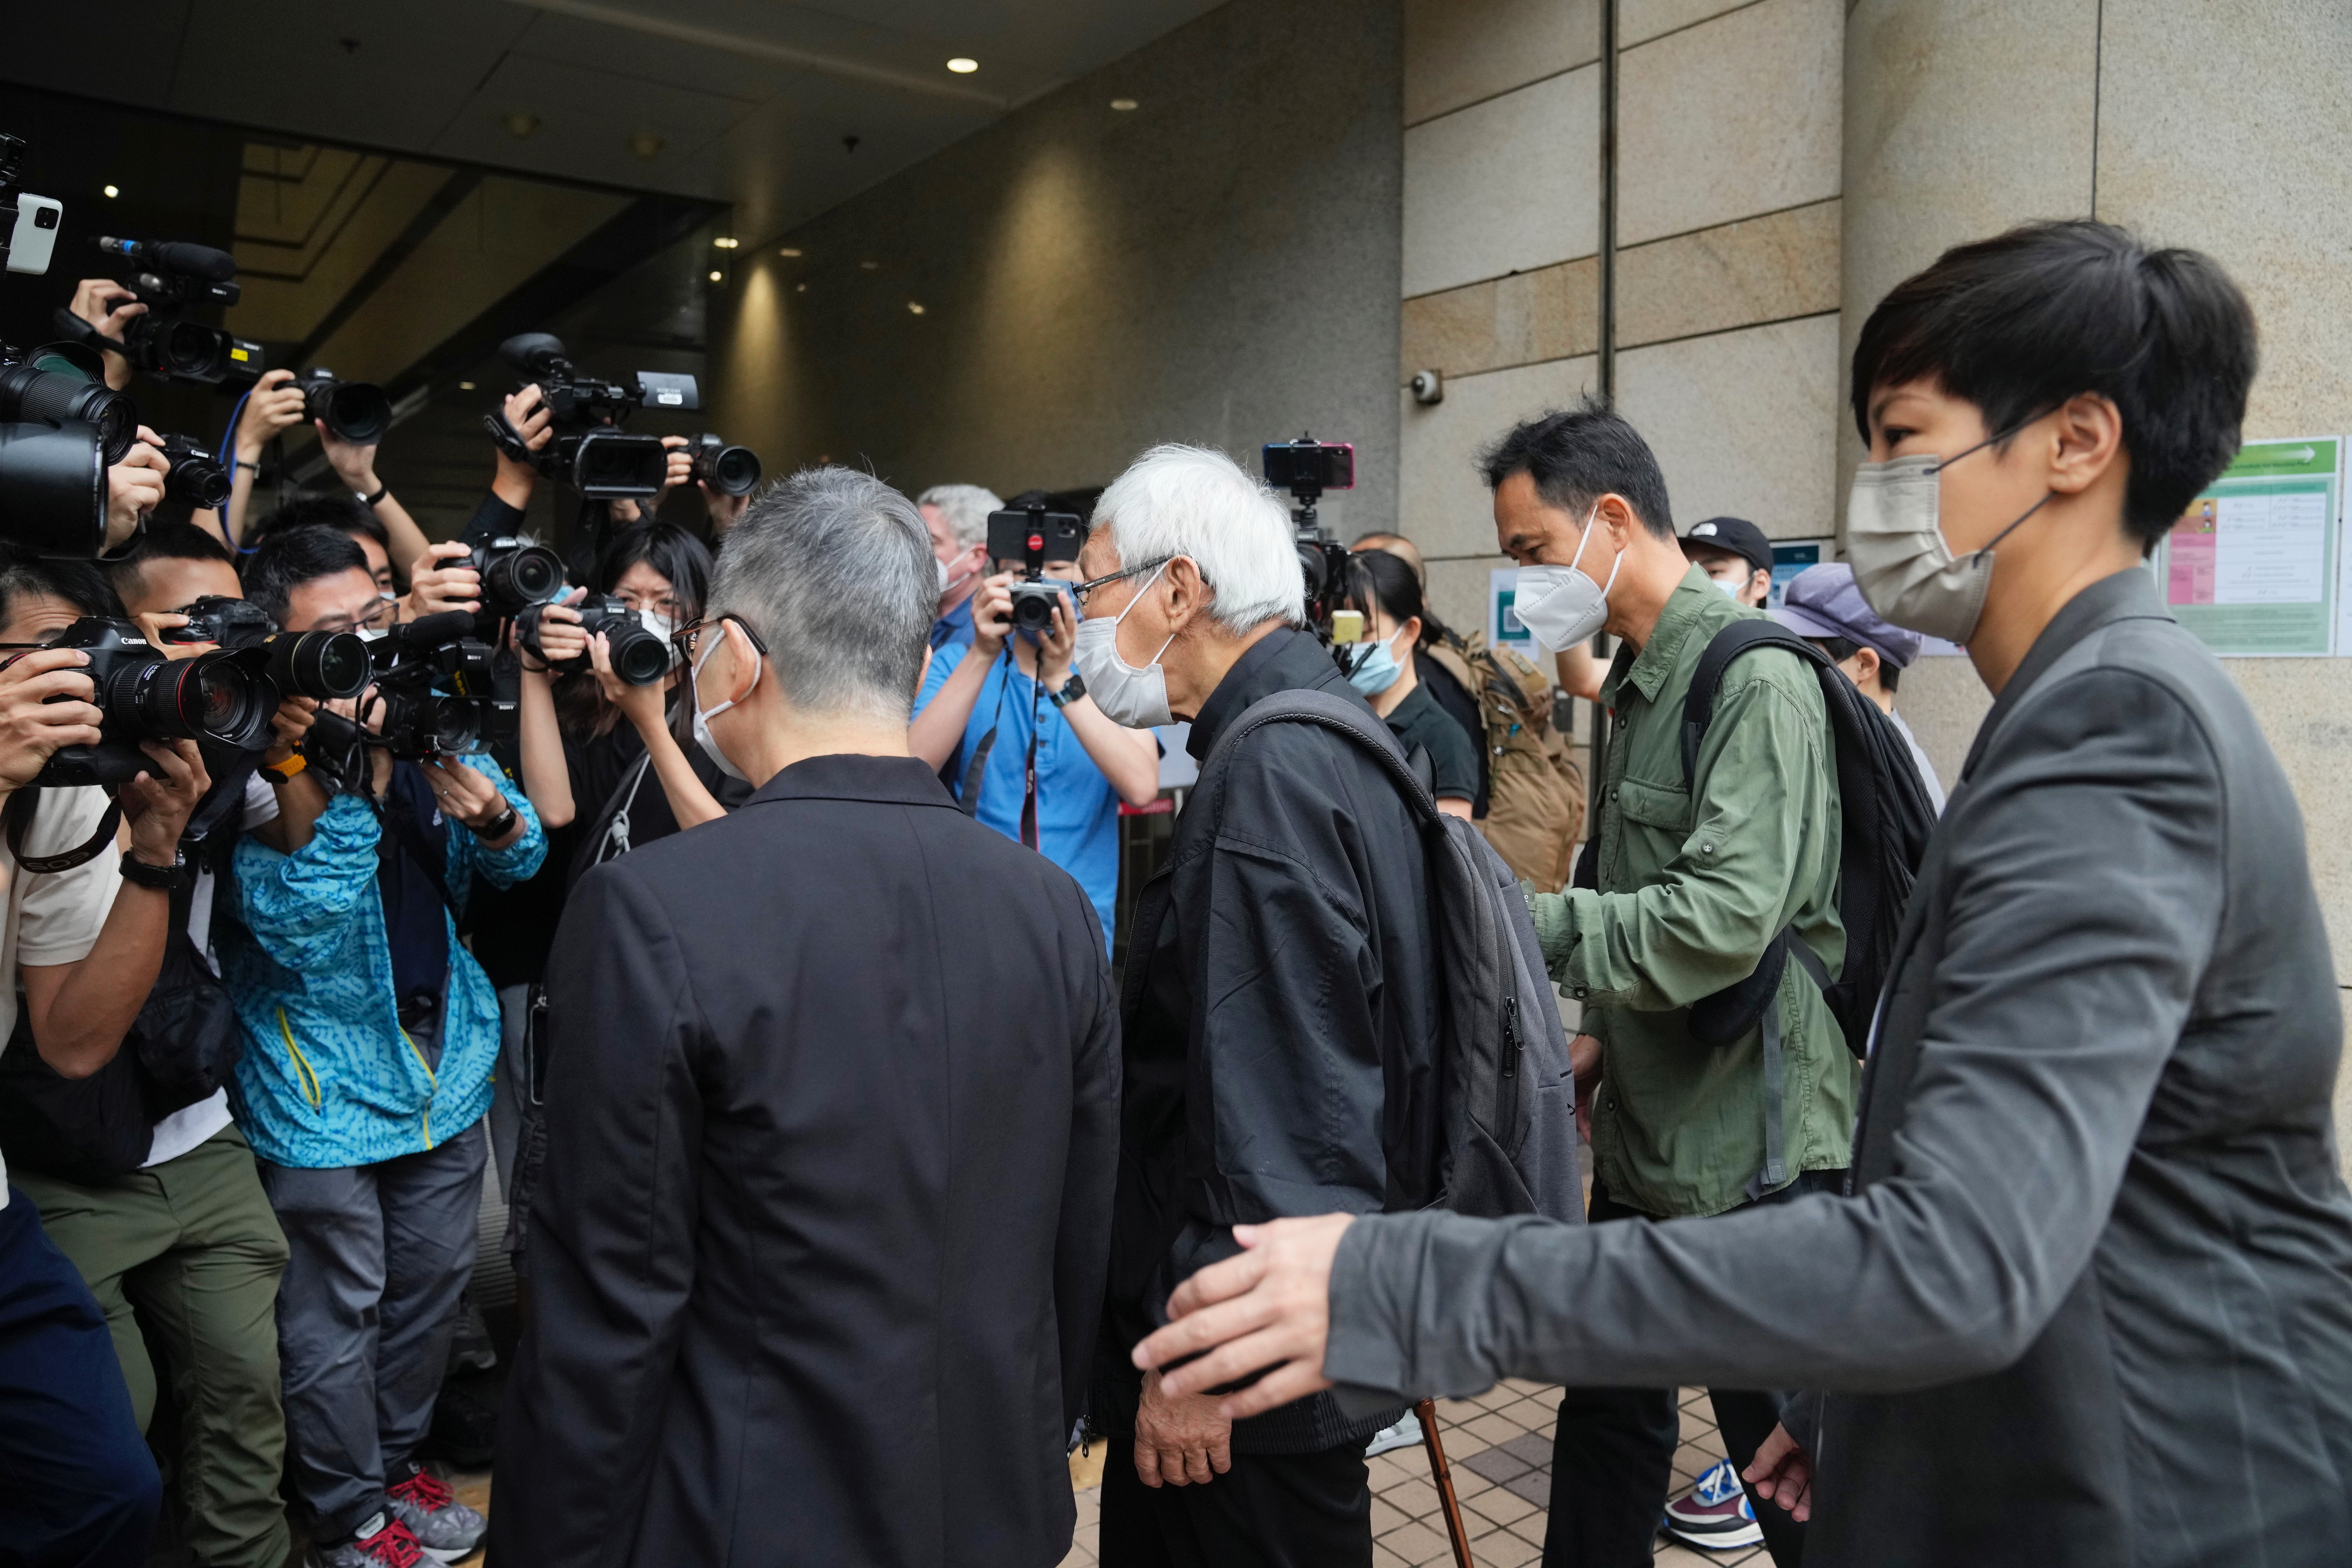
x: 224, y: 697
x: 439, y: 691
x: 516, y: 574
x: 640, y: 657
x: 60, y: 428
x: 194, y: 477
x: 730, y: 471
x: 590, y: 452
x: 172, y: 277
x: 325, y: 664
x: 1306, y: 467
x: 1034, y: 537
x: 356, y: 411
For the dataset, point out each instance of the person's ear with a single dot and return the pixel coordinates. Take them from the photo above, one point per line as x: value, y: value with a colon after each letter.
x: 1866, y: 665
x: 2087, y: 439
x: 1411, y: 630
x: 1187, y: 594
x: 1614, y: 517
x: 923, y: 672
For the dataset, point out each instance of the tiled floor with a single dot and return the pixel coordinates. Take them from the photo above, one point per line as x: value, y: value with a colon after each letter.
x: 1499, y: 1448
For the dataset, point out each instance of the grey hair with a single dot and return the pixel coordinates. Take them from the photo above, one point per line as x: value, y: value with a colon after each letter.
x: 1199, y: 503
x: 834, y: 569
x: 966, y: 508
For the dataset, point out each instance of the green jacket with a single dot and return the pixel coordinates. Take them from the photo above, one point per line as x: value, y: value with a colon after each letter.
x: 1691, y: 892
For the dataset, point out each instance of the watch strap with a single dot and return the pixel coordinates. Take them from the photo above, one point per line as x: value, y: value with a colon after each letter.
x: 369, y: 501
x: 284, y: 771
x: 168, y: 878
x: 1072, y: 689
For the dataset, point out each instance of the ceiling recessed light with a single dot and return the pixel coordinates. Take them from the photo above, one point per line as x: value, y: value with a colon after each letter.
x: 113, y: 190
x: 914, y: 307
x: 465, y: 387
x: 1123, y: 104
x: 799, y: 288
x: 519, y: 124
x: 645, y: 145
x: 726, y: 242
x: 869, y: 267
x: 790, y: 250
x: 964, y: 65
x: 716, y: 276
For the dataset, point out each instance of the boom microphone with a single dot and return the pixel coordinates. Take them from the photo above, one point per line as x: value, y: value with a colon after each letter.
x: 175, y: 256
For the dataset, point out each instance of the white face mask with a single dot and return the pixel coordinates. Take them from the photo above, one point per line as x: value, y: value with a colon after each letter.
x: 702, y: 716
x: 1895, y: 541
x: 1135, y: 697
x: 1731, y: 587
x: 1561, y: 606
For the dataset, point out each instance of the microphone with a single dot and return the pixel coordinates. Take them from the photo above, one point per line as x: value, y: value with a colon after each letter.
x: 432, y: 631
x: 174, y: 255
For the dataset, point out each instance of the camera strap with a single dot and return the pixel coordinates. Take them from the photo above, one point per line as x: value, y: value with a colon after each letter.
x: 21, y: 807
x: 975, y: 772
x: 507, y: 439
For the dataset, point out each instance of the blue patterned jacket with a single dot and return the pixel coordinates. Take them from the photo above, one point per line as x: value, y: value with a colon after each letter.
x: 328, y: 1078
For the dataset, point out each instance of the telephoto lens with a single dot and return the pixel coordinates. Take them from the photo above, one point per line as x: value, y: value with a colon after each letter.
x: 730, y: 471
x: 517, y: 574
x: 326, y: 665
x: 66, y: 381
x: 221, y: 696
x: 53, y: 487
x: 194, y: 476
x: 356, y: 411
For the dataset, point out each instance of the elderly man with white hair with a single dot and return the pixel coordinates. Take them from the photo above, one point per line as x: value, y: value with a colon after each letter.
x: 818, y: 1257
x: 1280, y: 1016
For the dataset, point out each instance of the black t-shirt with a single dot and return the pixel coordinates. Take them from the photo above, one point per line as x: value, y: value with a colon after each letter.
x: 601, y: 765
x: 1420, y: 722
x: 1463, y: 708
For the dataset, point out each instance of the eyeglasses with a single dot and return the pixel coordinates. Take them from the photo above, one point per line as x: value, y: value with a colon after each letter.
x: 375, y: 620
x: 1079, y: 591
x: 689, y: 636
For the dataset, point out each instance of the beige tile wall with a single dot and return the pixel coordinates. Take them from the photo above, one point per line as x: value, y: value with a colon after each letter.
x: 1458, y: 52
x: 1742, y: 421
x: 1507, y: 184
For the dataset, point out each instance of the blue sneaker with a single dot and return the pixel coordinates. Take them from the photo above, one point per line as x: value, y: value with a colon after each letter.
x: 1716, y: 1516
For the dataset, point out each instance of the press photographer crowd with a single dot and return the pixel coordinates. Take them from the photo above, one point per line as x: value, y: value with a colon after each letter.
x: 738, y: 897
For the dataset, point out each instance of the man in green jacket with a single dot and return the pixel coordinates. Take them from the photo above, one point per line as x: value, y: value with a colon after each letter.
x: 1694, y: 883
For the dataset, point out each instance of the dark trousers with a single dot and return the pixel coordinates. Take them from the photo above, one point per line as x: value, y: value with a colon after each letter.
x: 1270, y: 1510
x: 378, y: 1256
x: 1612, y: 1456
x: 76, y: 1484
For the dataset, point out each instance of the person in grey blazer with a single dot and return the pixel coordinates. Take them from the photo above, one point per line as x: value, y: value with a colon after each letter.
x: 2089, y: 1299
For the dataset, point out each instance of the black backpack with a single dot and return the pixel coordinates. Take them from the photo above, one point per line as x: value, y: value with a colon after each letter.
x: 1885, y: 817
x: 1508, y: 1119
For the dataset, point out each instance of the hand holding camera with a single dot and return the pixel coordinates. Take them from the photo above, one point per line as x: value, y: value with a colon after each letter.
x: 45, y: 703
x: 640, y: 701
x: 274, y: 407
x: 157, y: 803
x: 992, y: 614
x: 110, y: 308
x: 444, y: 579
x: 135, y: 486
x: 466, y: 795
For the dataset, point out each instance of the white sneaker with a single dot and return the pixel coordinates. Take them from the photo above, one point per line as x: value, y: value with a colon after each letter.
x: 445, y: 1527
x: 381, y: 1542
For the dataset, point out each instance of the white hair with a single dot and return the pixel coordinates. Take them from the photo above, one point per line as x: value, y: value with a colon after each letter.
x: 1198, y: 503
x: 966, y: 508
x: 834, y: 569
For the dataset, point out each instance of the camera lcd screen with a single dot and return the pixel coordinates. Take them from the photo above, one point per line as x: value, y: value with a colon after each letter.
x: 1059, y: 534
x: 1331, y: 467
x: 611, y: 466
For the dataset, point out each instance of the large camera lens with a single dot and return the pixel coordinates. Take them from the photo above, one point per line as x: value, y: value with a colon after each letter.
x: 319, y: 664
x: 191, y: 351
x: 515, y: 574
x: 53, y: 487
x: 212, y: 695
x: 639, y: 656
x: 193, y: 476
x: 456, y: 723
x: 730, y: 471
x: 357, y: 411
x: 56, y: 382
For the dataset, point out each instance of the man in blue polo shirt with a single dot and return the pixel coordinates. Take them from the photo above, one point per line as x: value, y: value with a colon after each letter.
x: 989, y: 705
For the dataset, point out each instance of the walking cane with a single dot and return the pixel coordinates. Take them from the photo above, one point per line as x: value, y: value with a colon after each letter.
x: 1427, y: 1411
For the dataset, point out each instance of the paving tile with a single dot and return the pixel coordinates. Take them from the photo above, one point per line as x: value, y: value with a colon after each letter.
x: 1453, y: 1412
x: 1415, y: 1541
x: 1384, y: 1557
x: 1497, y: 1465
x: 1530, y: 1528
x: 1504, y: 1549
x: 1495, y: 1429
x: 1535, y: 1486
x: 1525, y: 1385
x: 1468, y: 1483
x: 1530, y: 1448
x: 1393, y: 1468
x: 1415, y: 1498
x: 1501, y: 1506
x: 1386, y: 1516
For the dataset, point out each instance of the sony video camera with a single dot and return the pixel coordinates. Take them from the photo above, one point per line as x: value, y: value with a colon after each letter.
x: 172, y: 278
x: 1036, y: 538
x: 356, y: 411
x: 641, y: 656
x: 224, y: 698
x: 325, y: 664
x: 1306, y: 467
x: 590, y: 452
x: 730, y: 471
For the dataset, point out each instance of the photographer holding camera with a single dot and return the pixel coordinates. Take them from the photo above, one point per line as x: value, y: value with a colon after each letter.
x: 371, y: 1036
x: 1023, y: 746
x: 82, y: 948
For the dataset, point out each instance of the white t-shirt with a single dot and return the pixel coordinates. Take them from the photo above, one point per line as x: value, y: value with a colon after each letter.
x: 192, y: 1124
x: 53, y: 917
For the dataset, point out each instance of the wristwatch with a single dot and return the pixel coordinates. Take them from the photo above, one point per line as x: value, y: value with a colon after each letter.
x: 284, y: 771
x: 1072, y: 689
x: 496, y: 827
x: 369, y: 501
x: 168, y: 878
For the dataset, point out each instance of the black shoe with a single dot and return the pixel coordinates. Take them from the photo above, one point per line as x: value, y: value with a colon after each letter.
x: 465, y: 1431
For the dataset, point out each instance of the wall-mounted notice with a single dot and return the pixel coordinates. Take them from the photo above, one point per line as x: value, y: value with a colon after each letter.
x: 1790, y: 556
x: 1505, y: 630
x: 2251, y: 567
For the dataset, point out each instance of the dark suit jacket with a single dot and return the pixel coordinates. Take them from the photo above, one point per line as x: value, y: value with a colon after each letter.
x: 2091, y: 1300
x: 817, y: 1262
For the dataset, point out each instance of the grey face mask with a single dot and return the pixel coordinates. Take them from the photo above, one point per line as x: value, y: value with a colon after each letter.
x: 1894, y: 541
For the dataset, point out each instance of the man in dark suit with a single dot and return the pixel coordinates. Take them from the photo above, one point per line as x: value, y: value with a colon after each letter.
x: 819, y: 1254
x: 2087, y: 1302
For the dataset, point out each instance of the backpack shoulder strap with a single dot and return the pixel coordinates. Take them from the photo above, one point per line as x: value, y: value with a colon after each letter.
x: 1320, y: 708
x: 1738, y: 638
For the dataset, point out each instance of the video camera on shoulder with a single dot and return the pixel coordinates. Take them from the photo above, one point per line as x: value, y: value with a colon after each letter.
x: 172, y: 278
x: 640, y: 654
x: 590, y: 452
x: 325, y: 664
x: 224, y: 697
x: 1306, y: 467
x: 1036, y: 537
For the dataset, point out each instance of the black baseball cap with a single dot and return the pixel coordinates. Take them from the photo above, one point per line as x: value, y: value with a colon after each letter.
x: 1736, y: 534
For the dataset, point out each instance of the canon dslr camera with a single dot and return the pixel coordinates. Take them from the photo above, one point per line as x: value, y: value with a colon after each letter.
x: 641, y: 656
x: 325, y: 664
x: 224, y: 697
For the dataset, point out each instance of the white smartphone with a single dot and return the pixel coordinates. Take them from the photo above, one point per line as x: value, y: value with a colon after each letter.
x: 37, y: 233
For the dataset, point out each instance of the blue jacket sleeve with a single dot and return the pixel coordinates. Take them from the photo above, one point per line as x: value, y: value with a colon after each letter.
x: 299, y: 906
x: 506, y: 866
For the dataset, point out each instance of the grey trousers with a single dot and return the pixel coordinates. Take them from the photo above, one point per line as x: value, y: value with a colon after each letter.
x: 378, y: 1256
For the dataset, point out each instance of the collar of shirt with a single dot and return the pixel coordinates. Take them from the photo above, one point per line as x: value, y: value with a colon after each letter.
x: 2125, y: 595
x: 1283, y: 660
x: 955, y: 626
x: 1647, y: 670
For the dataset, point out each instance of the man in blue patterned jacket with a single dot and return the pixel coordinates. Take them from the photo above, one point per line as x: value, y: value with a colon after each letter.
x: 370, y: 1038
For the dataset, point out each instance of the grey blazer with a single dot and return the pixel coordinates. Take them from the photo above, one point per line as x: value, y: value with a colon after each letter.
x: 2090, y: 1299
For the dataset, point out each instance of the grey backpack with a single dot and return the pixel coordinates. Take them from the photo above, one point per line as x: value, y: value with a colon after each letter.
x: 1509, y: 1117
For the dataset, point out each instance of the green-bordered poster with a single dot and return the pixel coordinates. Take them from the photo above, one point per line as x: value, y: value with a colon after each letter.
x: 2251, y: 567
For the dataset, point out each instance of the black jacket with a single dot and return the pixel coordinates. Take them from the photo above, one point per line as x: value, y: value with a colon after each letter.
x: 1281, y: 1022
x: 2091, y: 1300
x: 817, y: 1261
